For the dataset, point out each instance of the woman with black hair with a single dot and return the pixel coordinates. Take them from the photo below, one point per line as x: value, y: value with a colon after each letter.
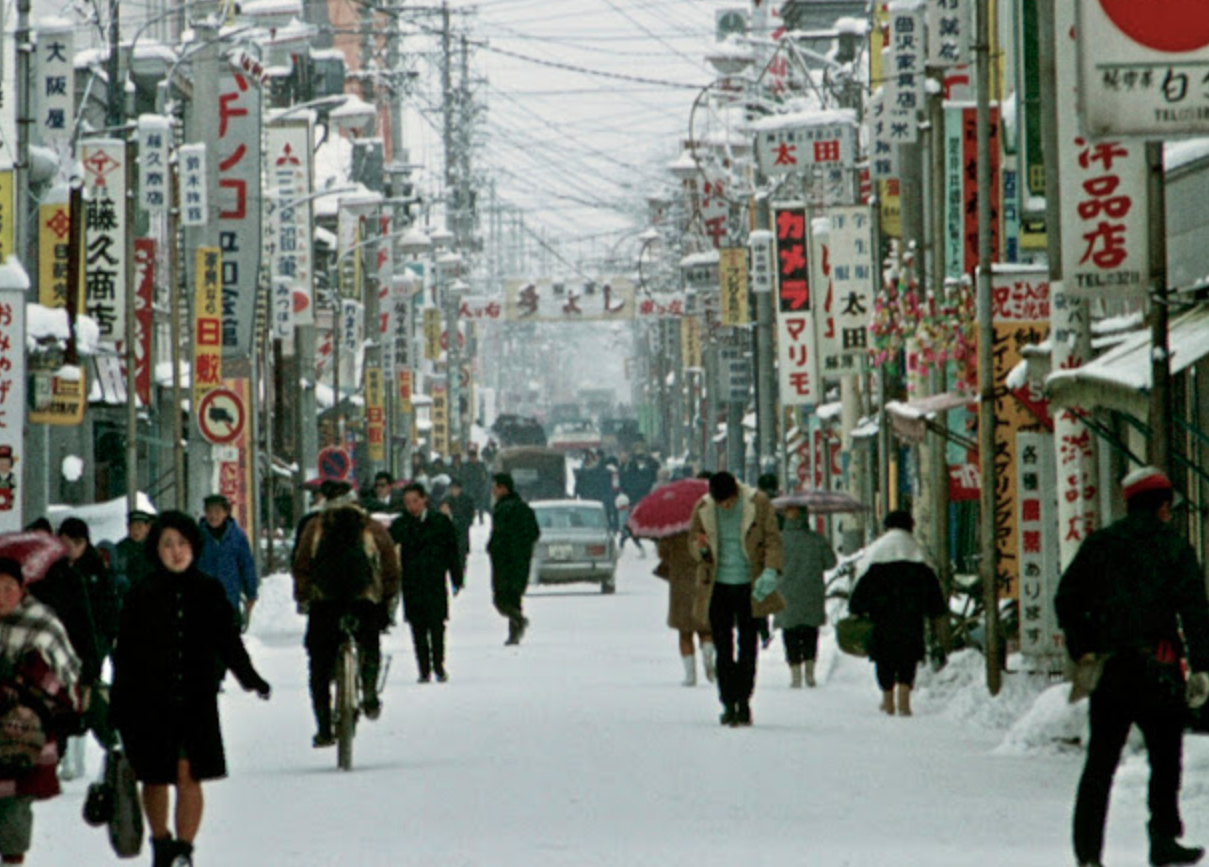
x: 176, y: 627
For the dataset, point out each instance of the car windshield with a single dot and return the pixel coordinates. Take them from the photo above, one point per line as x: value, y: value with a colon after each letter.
x: 574, y: 517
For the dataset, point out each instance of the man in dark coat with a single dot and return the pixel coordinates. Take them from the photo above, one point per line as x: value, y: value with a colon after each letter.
x: 477, y: 481
x: 428, y: 551
x: 133, y: 565
x: 1124, y: 601
x: 899, y: 592
x: 227, y: 555
x: 514, y: 532
x: 460, y: 507
x: 638, y: 475
x: 382, y: 497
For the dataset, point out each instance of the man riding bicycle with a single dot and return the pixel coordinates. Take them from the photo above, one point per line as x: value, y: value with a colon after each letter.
x: 345, y: 564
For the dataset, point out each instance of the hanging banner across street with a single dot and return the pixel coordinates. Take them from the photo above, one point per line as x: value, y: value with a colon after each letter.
x: 548, y: 300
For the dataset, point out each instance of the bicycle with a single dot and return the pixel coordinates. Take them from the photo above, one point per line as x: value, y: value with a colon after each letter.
x: 348, y: 690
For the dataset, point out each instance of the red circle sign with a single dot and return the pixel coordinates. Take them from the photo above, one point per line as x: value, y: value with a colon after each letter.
x: 221, y: 416
x: 1173, y: 26
x: 334, y: 464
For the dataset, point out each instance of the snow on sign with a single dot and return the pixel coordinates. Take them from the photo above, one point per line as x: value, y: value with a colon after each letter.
x: 797, y: 143
x: 1142, y: 68
x: 221, y: 416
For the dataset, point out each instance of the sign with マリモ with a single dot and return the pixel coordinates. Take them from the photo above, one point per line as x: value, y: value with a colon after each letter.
x: 221, y: 416
x: 1142, y: 68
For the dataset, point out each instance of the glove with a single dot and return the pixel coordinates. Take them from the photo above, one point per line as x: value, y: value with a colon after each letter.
x: 1197, y: 691
x: 263, y: 690
x: 765, y: 584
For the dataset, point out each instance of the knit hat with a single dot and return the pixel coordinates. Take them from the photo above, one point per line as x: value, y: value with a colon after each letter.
x: 1145, y: 479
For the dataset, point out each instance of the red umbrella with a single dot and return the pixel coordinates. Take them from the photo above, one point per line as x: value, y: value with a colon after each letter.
x: 668, y: 510
x: 36, y: 552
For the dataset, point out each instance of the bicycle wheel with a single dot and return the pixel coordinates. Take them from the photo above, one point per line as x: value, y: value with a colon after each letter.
x: 346, y: 705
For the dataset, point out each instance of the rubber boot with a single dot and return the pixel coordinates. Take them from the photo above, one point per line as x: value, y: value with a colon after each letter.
x: 904, y: 700
x: 690, y: 670
x: 163, y: 851
x: 888, y: 702
x: 709, y: 660
x: 810, y: 681
x: 1167, y: 851
x: 795, y: 675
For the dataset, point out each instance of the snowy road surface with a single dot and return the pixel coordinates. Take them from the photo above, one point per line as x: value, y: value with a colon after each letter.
x: 581, y: 748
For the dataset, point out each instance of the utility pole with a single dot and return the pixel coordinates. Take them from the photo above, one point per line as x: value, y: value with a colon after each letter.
x: 988, y: 565
x: 1160, y: 451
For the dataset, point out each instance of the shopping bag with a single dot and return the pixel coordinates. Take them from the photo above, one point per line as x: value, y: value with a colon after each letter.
x: 126, y: 819
x: 853, y: 635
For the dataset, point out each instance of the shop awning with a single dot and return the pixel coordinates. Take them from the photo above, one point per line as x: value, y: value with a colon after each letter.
x: 912, y: 419
x: 1120, y: 378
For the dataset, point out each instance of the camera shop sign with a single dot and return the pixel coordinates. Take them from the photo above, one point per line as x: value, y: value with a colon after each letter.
x: 1142, y: 67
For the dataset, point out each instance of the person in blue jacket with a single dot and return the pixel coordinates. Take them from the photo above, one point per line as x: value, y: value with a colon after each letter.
x: 227, y: 555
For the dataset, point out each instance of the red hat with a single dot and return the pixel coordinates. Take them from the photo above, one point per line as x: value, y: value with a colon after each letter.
x: 1145, y: 479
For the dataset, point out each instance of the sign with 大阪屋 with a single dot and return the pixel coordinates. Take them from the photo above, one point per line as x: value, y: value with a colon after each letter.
x: 732, y: 277
x: 1104, y: 203
x: 1020, y: 316
x: 104, y: 253
x: 1142, y: 68
x: 55, y: 93
x: 797, y: 357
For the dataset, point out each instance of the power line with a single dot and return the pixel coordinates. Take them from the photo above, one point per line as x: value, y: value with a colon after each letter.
x: 617, y: 76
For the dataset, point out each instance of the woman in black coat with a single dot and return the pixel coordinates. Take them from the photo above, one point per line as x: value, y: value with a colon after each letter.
x: 175, y: 629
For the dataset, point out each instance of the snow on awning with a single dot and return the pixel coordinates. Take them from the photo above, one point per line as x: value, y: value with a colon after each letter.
x: 1120, y: 378
x: 911, y: 420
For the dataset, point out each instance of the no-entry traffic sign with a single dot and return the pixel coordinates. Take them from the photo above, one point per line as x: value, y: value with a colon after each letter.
x: 221, y: 416
x: 334, y: 464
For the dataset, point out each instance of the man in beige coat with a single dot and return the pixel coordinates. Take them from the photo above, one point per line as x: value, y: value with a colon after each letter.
x: 737, y: 546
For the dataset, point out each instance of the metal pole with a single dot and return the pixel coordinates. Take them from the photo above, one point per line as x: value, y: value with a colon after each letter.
x: 988, y: 565
x: 1161, y: 446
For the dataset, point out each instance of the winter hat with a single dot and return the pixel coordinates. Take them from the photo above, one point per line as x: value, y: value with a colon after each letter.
x: 1145, y: 479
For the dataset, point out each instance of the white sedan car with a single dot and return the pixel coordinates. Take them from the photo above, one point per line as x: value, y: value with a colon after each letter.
x: 576, y: 545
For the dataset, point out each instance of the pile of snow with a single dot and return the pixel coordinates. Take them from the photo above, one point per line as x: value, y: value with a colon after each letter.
x: 959, y: 692
x: 106, y: 521
x: 1052, y: 724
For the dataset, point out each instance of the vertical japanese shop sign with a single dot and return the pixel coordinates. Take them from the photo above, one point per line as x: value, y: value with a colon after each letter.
x: 826, y: 332
x: 690, y: 343
x: 144, y: 317
x: 234, y: 468
x: 375, y: 417
x: 440, y: 419
x: 12, y: 407
x: 54, y: 87
x: 207, y: 323
x: 949, y: 26
x: 405, y: 391
x: 6, y: 214
x: 1142, y: 68
x: 104, y: 162
x: 1037, y: 524
x: 885, y: 132
x: 961, y: 190
x: 432, y: 334
x: 195, y: 201
x: 348, y: 236
x: 352, y: 333
x: 238, y: 153
x: 154, y: 136
x: 763, y: 276
x: 288, y: 231
x: 1104, y: 206
x: 1020, y: 316
x: 1077, y: 476
x: 797, y: 358
x: 54, y: 241
x: 732, y: 275
x: 851, y: 242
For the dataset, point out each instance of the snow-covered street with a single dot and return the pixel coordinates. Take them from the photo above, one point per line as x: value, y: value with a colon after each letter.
x: 582, y: 748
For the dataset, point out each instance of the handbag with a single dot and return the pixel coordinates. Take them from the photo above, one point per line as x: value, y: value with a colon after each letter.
x: 854, y: 634
x: 770, y: 604
x: 114, y: 801
x: 22, y: 739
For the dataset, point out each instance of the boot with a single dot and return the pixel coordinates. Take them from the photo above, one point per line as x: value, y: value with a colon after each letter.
x: 728, y: 714
x: 514, y: 633
x: 742, y: 714
x: 1167, y: 850
x: 163, y: 851
x: 810, y: 681
x: 323, y: 726
x: 888, y: 702
x: 184, y: 855
x: 690, y: 670
x: 795, y: 676
x: 709, y: 660
x: 904, y: 700
x: 370, y: 704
